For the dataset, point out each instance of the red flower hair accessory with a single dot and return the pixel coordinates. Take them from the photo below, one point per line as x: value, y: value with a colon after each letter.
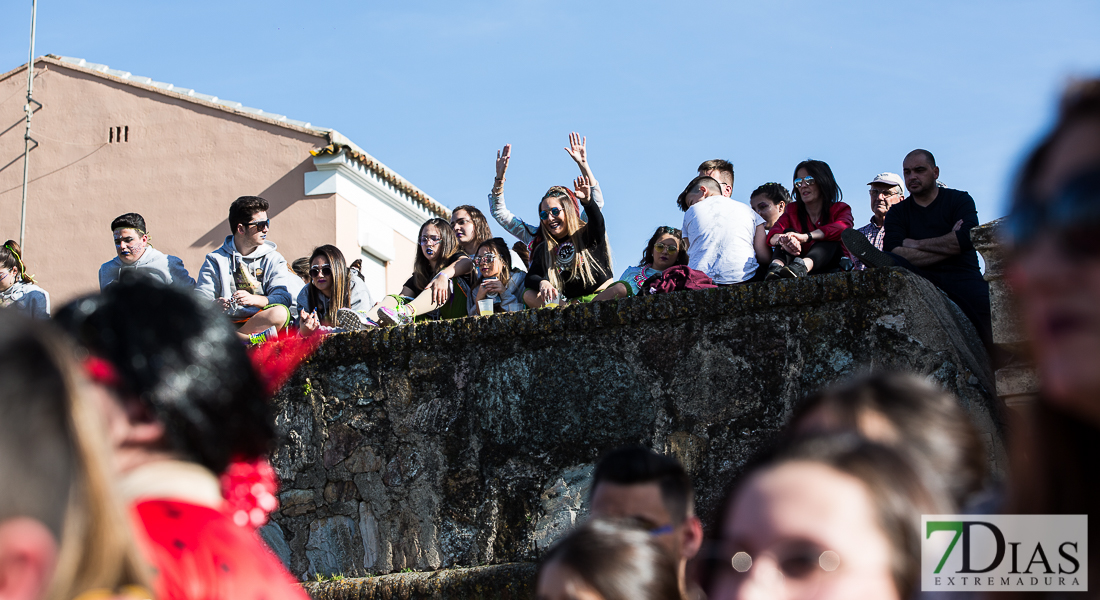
x: 249, y: 489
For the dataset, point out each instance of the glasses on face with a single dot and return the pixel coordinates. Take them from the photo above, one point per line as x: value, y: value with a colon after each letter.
x: 883, y: 193
x: 316, y: 270
x: 1072, y: 215
x: 803, y: 181
x: 797, y: 568
x: 265, y: 224
x: 546, y: 214
x: 430, y: 240
x: 670, y: 248
x: 486, y: 259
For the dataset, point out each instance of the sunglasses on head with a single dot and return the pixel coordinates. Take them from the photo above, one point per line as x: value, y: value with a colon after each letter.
x: 803, y: 181
x: 669, y: 230
x: 1072, y: 215
x: 265, y: 224
x: 543, y: 214
x: 316, y: 270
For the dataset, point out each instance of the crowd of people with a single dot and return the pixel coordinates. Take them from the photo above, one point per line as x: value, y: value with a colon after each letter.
x: 135, y: 425
x: 462, y: 270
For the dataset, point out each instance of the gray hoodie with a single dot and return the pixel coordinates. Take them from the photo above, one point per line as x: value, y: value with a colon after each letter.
x: 226, y: 270
x: 27, y: 298
x: 358, y: 296
x: 166, y: 268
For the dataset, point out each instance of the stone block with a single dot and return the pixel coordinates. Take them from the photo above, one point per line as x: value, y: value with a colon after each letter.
x: 275, y: 539
x: 293, y: 503
x: 334, y: 547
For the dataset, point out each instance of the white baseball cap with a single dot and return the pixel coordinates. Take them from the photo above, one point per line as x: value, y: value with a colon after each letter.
x: 888, y: 178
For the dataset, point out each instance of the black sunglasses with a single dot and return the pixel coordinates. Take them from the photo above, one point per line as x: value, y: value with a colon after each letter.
x: 316, y: 270
x: 1073, y: 214
x: 265, y: 224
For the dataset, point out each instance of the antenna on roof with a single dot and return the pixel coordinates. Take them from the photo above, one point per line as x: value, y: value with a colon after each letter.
x: 27, y: 136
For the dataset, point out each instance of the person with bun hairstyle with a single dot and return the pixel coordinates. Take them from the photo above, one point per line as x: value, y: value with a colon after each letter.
x: 332, y: 287
x: 18, y: 290
x: 665, y: 249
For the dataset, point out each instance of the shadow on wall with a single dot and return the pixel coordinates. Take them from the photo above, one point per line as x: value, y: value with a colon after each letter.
x: 279, y: 195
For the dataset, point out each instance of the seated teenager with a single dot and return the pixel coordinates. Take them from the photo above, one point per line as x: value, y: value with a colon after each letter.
x: 18, y: 289
x: 472, y: 230
x: 725, y: 242
x: 574, y: 260
x: 807, y: 236
x: 666, y: 248
x: 135, y: 253
x: 333, y: 287
x: 499, y: 281
x: 247, y: 277
x: 441, y: 282
x: 191, y: 410
x: 769, y: 201
x: 529, y: 234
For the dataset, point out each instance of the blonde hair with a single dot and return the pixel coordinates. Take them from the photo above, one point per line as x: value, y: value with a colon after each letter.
x: 574, y: 228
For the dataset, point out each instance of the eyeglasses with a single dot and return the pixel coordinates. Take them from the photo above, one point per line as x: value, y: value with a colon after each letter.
x: 265, y: 224
x: 429, y: 240
x: 670, y: 248
x: 546, y: 215
x: 316, y: 270
x: 803, y: 181
x: 883, y: 193
x: 1073, y: 215
x: 486, y: 258
x: 801, y: 568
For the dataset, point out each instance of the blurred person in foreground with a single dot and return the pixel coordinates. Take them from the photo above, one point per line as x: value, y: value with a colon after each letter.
x: 63, y: 534
x: 608, y: 560
x: 653, y: 490
x: 189, y: 422
x: 834, y: 517
x: 1054, y: 270
x: 913, y: 416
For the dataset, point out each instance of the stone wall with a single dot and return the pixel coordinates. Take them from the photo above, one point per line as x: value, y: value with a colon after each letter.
x: 471, y: 442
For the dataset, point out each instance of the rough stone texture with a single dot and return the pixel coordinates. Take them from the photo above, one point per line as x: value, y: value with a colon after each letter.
x: 470, y: 442
x: 514, y: 581
x: 1017, y: 381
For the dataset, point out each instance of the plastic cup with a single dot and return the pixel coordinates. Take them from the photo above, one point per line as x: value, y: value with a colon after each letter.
x: 485, y: 307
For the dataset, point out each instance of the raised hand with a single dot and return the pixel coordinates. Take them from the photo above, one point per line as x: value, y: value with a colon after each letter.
x: 502, y: 160
x: 577, y: 148
x: 582, y: 188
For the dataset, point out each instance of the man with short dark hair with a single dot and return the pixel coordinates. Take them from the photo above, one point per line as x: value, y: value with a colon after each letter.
x: 136, y: 254
x: 634, y: 482
x: 723, y: 240
x: 886, y: 191
x: 721, y: 170
x: 929, y: 234
x: 247, y: 277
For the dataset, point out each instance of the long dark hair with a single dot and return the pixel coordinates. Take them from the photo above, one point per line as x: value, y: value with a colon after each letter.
x: 681, y: 257
x: 12, y: 256
x: 423, y: 270
x: 826, y: 185
x: 500, y: 248
x: 182, y: 359
x: 618, y: 560
x: 341, y: 286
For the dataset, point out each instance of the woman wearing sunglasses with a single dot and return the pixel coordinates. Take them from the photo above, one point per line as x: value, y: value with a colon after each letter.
x: 499, y: 280
x: 806, y: 238
x: 332, y: 286
x: 443, y: 276
x: 574, y: 260
x: 665, y: 249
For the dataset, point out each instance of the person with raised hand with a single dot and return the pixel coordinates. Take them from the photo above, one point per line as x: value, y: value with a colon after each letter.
x: 573, y: 261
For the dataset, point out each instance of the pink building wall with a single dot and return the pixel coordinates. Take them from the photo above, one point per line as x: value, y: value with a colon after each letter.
x: 180, y: 164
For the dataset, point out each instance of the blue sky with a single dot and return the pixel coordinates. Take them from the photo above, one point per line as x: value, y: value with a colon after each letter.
x: 433, y: 89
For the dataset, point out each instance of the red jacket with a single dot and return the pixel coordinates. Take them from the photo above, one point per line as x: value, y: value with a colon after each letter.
x: 841, y: 219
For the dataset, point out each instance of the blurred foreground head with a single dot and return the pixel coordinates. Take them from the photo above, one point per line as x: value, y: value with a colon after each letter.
x: 826, y: 517
x: 608, y: 560
x: 182, y: 383
x: 908, y: 413
x: 62, y: 533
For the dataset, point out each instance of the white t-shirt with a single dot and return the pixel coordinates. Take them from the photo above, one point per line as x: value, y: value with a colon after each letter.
x: 720, y: 233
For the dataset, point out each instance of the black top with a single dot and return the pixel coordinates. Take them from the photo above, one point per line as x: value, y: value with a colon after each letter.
x: 460, y: 254
x: 594, y: 236
x: 907, y: 219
